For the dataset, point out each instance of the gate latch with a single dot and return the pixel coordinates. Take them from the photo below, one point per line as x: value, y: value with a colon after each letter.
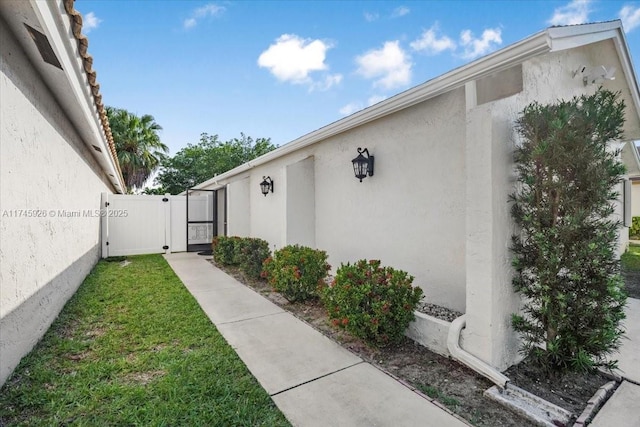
x: 165, y: 247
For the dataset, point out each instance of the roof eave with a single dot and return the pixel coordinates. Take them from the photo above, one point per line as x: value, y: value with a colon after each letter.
x: 57, y: 21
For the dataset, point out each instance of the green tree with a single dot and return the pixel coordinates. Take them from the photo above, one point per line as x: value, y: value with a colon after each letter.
x: 138, y: 145
x: 209, y: 157
x: 565, y: 254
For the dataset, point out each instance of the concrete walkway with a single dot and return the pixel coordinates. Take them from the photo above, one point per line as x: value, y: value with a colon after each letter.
x: 313, y: 380
x: 623, y: 408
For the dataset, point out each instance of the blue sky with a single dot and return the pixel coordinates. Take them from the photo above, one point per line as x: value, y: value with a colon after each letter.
x: 281, y: 69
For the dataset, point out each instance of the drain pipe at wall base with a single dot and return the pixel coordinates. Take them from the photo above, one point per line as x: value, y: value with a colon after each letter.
x: 453, y: 344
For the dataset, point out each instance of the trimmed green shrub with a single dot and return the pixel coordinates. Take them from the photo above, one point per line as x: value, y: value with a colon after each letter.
x: 634, y: 230
x: 224, y: 250
x: 297, y: 272
x: 372, y: 302
x: 252, y: 252
x: 565, y: 254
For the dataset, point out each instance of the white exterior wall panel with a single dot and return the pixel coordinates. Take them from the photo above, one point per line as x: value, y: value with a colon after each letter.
x: 47, y: 175
x: 410, y: 214
x: 237, y: 194
x: 491, y: 138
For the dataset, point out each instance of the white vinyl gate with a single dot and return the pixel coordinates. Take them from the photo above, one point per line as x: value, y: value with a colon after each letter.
x: 145, y: 224
x: 135, y: 225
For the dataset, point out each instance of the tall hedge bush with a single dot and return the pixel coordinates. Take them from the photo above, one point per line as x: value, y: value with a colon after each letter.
x: 565, y: 254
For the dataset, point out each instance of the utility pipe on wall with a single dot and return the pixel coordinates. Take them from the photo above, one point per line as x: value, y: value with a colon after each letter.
x: 453, y: 344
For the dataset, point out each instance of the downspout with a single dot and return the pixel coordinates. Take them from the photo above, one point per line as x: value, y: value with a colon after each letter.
x: 453, y: 345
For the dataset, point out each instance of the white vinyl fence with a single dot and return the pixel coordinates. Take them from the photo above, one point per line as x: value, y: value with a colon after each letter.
x: 145, y: 224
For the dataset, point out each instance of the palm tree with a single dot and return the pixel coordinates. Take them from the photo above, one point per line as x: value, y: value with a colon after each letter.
x: 137, y: 143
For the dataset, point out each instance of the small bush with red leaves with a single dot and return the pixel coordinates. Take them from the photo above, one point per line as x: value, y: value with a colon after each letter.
x: 372, y: 302
x: 252, y: 252
x: 296, y: 272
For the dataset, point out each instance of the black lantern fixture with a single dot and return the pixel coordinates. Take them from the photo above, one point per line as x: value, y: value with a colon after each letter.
x: 363, y: 166
x: 266, y: 185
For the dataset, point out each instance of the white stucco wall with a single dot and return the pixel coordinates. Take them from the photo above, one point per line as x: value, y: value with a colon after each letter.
x: 221, y: 206
x: 491, y: 138
x: 301, y: 203
x: 635, y: 199
x: 45, y: 171
x: 410, y: 214
x: 437, y: 205
x: 237, y: 194
x: 267, y: 213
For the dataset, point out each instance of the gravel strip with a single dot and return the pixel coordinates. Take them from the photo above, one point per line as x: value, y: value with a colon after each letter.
x: 438, y: 311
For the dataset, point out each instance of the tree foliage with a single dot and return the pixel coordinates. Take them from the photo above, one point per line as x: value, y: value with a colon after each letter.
x: 138, y: 145
x: 209, y: 157
x: 565, y: 254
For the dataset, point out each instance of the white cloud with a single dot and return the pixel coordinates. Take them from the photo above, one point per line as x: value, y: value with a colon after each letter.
x: 327, y: 83
x: 576, y: 12
x: 292, y: 58
x: 431, y: 44
x: 400, y: 11
x: 350, y: 108
x: 375, y: 99
x: 90, y: 22
x: 370, y: 17
x: 390, y: 65
x: 210, y: 9
x: 630, y: 17
x: 475, y: 47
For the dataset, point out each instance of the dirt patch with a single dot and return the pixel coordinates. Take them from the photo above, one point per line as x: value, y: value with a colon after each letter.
x: 142, y: 378
x: 569, y: 391
x: 452, y: 384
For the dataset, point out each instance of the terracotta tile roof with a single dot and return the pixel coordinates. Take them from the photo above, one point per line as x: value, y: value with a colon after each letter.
x: 87, y: 60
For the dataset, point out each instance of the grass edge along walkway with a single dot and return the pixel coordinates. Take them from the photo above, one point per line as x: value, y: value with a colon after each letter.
x: 133, y: 347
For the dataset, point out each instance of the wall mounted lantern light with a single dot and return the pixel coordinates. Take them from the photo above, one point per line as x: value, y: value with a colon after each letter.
x: 362, y: 166
x: 266, y: 185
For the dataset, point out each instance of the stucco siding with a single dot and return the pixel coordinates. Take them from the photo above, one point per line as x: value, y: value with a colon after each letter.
x: 635, y: 198
x: 410, y: 214
x: 491, y: 130
x: 47, y: 173
x: 237, y: 194
x: 301, y: 203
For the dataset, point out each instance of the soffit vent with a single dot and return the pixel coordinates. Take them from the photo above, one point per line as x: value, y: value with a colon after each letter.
x: 97, y: 148
x: 44, y: 47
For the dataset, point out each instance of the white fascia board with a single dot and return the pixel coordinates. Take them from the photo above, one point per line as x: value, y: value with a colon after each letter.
x: 53, y: 18
x: 627, y: 68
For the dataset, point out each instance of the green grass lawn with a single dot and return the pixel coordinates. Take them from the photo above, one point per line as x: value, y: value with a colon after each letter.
x: 133, y: 347
x: 631, y: 259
